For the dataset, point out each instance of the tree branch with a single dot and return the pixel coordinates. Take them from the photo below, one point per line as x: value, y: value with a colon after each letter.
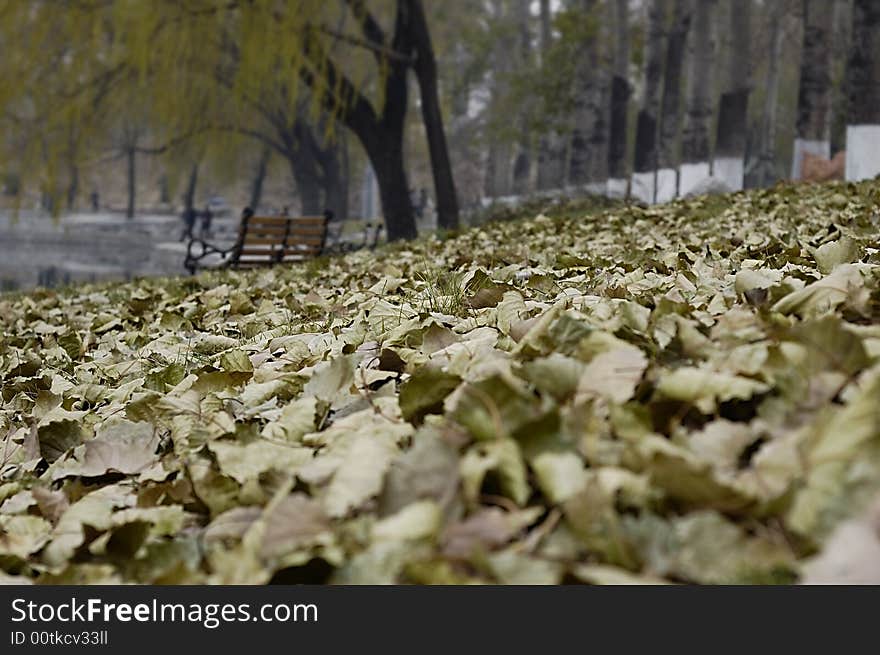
x: 376, y: 48
x: 371, y: 28
x: 353, y: 108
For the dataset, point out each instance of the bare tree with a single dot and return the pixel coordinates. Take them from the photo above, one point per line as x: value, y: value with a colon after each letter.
x: 523, y: 162
x: 130, y: 135
x: 586, y: 137
x: 670, y: 118
x: 189, y: 194
x: 425, y: 69
x: 695, y: 142
x: 551, y: 146
x: 259, y: 177
x: 814, y: 94
x: 767, y: 169
x: 499, y: 170
x: 841, y: 35
x: 645, y: 162
x: 730, y: 142
x: 620, y: 92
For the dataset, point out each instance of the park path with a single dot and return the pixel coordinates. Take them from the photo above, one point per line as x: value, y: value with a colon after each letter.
x: 37, y: 250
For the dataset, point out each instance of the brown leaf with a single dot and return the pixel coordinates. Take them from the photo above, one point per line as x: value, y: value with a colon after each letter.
x: 124, y: 447
x: 294, y: 523
x: 52, y: 504
x: 485, y: 530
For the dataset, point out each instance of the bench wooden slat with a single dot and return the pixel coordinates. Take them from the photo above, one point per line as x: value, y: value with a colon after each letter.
x: 268, y: 240
x: 299, y: 252
x: 284, y: 220
x: 266, y: 252
x: 273, y: 252
x: 307, y: 231
x: 312, y: 240
x: 280, y: 231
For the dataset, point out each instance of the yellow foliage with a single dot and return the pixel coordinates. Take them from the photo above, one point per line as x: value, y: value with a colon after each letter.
x: 196, y: 73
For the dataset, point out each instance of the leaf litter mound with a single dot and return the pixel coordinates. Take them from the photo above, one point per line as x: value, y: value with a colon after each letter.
x: 683, y: 393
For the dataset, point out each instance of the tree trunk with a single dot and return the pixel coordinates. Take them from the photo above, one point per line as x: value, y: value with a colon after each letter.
x: 386, y: 155
x: 645, y: 162
x: 426, y: 72
x: 189, y: 195
x: 670, y: 117
x: 551, y: 163
x: 814, y: 94
x: 303, y: 154
x: 382, y: 136
x: 304, y: 169
x: 334, y: 182
x: 522, y: 164
x: 730, y: 143
x: 259, y: 178
x: 863, y: 80
x: 695, y: 138
x: 767, y: 173
x: 72, y: 186
x: 587, y: 105
x: 132, y: 180
x: 841, y: 34
x: 551, y: 147
x: 499, y: 164
x: 620, y: 92
x: 164, y: 195
x: 344, y: 155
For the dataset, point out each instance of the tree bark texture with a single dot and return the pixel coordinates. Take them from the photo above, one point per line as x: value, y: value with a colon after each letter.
x: 551, y: 146
x: 734, y: 104
x: 259, y: 178
x: 620, y: 93
x: 670, y: 118
x: 814, y: 93
x: 695, y: 141
x: 646, y: 125
x: 426, y: 72
x: 767, y: 170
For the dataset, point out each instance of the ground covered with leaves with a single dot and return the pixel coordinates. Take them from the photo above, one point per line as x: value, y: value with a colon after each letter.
x: 685, y: 393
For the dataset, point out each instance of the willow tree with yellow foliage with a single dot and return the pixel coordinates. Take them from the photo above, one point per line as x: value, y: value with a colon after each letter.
x: 195, y: 68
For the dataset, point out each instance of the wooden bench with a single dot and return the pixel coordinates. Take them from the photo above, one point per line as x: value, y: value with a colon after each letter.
x: 264, y: 241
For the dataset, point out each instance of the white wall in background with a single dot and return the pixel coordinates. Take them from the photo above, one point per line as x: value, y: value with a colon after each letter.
x: 616, y: 188
x: 862, y: 152
x: 691, y: 175
x: 666, y: 181
x: 643, y: 187
x: 731, y: 171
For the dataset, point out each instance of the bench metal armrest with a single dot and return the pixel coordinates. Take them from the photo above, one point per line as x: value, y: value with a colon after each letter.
x: 192, y: 260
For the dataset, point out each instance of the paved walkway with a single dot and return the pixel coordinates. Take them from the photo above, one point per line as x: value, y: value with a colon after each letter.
x: 96, y: 246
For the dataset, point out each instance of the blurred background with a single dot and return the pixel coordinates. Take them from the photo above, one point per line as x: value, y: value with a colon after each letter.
x: 119, y: 116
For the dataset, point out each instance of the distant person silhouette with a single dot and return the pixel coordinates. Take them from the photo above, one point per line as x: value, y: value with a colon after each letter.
x: 189, y: 222
x: 207, y: 219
